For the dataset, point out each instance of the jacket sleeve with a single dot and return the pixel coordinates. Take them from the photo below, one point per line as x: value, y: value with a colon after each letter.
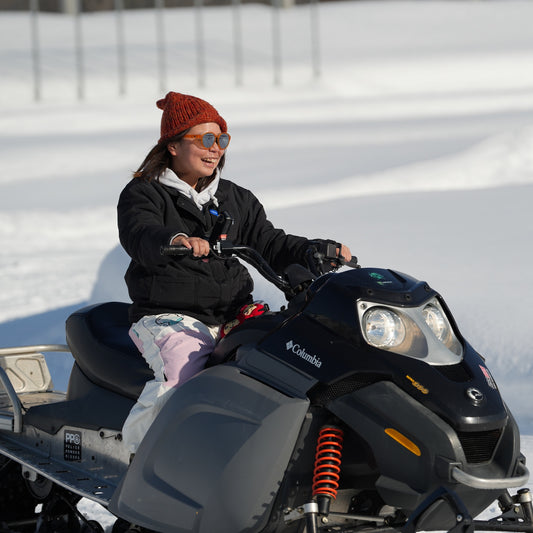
x: 278, y: 248
x: 141, y: 223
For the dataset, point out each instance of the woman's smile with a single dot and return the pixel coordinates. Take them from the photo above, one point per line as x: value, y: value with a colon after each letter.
x: 191, y: 160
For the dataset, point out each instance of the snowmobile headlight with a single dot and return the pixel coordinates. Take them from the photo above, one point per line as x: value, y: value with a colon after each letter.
x: 435, y: 320
x: 421, y: 332
x: 383, y: 327
x: 438, y: 323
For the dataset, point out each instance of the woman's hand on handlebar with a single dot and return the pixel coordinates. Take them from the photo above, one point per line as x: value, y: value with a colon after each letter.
x: 199, y: 247
x: 345, y: 253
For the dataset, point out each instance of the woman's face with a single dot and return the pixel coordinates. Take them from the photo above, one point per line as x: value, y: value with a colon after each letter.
x: 190, y: 159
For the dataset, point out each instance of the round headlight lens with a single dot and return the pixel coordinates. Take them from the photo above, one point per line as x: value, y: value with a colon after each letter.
x: 435, y: 320
x: 383, y: 327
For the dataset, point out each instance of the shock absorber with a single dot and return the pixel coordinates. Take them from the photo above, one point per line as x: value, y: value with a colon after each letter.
x: 327, y: 467
x: 525, y: 500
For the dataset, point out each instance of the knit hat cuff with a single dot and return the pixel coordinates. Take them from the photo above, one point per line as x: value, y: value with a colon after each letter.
x: 182, y: 111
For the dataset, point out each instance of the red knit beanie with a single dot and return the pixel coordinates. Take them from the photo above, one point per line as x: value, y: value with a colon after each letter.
x: 181, y: 112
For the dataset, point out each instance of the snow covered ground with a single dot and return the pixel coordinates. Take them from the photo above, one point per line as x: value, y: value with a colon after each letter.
x: 414, y: 147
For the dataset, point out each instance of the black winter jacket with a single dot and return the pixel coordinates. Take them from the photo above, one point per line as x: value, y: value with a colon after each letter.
x: 210, y: 289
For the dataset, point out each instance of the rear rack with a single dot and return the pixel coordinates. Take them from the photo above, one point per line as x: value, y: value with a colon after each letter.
x: 23, y: 369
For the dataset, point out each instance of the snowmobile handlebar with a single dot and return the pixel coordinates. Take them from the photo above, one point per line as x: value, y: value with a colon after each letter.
x: 222, y: 247
x: 253, y: 257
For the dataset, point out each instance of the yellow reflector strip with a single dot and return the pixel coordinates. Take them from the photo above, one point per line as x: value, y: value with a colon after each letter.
x: 404, y: 441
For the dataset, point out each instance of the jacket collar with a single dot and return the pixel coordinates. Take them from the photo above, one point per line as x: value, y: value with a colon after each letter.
x: 200, y: 199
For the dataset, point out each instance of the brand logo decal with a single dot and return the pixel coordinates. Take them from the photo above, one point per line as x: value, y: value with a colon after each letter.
x: 296, y: 349
x: 475, y: 395
x: 379, y: 278
x: 72, y: 445
x: 168, y: 319
x: 490, y: 380
x: 417, y: 385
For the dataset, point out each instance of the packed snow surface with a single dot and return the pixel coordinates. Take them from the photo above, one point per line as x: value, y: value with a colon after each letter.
x: 408, y: 136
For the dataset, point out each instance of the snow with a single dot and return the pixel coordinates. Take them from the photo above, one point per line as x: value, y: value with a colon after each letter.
x: 414, y: 147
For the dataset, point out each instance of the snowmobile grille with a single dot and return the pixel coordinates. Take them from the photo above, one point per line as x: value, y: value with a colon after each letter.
x: 479, y: 446
x: 322, y: 394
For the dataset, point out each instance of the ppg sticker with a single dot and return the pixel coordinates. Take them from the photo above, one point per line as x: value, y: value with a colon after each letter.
x: 72, y: 445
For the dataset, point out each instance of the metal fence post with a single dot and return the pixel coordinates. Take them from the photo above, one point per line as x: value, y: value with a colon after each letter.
x: 237, y: 42
x: 74, y: 8
x: 315, y: 39
x: 161, y: 41
x: 276, y: 41
x: 200, y: 44
x: 35, y: 49
x: 78, y: 47
x: 121, y: 49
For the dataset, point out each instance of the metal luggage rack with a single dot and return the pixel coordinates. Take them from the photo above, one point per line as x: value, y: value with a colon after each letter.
x: 24, y: 372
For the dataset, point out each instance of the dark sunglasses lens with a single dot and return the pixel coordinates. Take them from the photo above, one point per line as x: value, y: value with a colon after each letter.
x: 208, y: 139
x: 223, y: 140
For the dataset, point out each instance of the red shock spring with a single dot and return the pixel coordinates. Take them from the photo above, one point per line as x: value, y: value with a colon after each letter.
x: 328, y: 462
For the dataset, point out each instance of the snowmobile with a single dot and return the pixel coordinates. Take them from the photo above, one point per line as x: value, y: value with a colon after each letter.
x: 357, y: 407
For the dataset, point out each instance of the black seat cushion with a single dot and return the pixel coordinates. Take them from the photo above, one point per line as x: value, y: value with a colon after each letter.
x: 98, y: 338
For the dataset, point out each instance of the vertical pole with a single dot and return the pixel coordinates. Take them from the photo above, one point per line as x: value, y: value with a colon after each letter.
x: 121, y: 50
x: 78, y: 46
x: 36, y: 58
x: 276, y: 41
x: 161, y: 51
x: 200, y: 45
x: 315, y: 39
x: 237, y: 39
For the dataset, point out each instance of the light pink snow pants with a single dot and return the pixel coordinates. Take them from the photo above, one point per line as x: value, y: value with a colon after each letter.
x: 176, y: 347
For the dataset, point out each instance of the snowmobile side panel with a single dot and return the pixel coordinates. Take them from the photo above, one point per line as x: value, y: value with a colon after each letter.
x: 375, y: 410
x: 214, y: 458
x: 274, y: 372
x: 418, y: 455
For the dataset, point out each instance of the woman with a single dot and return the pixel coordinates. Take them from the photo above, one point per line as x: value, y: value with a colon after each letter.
x: 175, y: 197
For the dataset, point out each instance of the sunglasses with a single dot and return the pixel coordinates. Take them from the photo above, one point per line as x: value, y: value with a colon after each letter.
x: 207, y: 140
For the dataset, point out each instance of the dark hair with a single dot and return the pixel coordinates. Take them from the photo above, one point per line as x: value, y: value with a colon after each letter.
x: 159, y: 159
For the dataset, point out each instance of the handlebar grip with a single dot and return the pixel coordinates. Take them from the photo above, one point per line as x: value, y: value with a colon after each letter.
x: 174, y: 250
x: 352, y: 263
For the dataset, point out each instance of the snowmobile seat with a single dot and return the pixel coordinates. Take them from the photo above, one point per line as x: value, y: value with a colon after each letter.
x: 98, y: 338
